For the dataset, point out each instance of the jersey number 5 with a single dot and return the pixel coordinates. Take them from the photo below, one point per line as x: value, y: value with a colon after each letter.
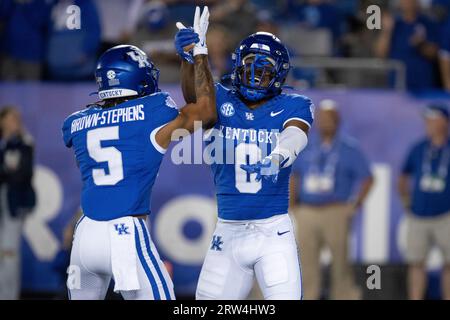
x: 108, y: 154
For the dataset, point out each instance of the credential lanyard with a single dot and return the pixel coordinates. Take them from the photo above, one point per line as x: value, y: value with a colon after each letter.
x: 442, y: 170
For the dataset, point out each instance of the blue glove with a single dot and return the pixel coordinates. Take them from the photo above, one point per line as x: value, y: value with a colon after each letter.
x: 183, y: 38
x: 268, y: 168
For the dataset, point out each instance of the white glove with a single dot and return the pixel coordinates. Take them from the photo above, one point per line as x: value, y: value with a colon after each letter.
x: 201, y: 27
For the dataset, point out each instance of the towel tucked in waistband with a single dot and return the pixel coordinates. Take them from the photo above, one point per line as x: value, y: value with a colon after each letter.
x: 123, y: 254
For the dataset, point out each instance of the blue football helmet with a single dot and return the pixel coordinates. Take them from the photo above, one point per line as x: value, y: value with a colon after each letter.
x: 125, y: 71
x: 260, y: 66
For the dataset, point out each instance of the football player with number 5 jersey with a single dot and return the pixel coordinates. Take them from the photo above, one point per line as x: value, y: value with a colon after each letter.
x: 119, y: 145
x: 264, y: 130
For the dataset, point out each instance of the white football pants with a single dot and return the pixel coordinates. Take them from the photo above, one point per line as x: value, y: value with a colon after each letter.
x: 241, y: 250
x: 90, y: 270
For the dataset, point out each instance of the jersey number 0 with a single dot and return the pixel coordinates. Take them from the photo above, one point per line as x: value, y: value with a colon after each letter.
x: 247, y: 153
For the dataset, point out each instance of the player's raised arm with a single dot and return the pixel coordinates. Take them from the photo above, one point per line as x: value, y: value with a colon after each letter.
x: 185, y: 40
x: 204, y: 107
x: 188, y: 82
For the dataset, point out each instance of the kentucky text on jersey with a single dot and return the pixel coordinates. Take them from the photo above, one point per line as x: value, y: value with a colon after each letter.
x: 221, y: 143
x: 249, y: 135
x: 134, y: 113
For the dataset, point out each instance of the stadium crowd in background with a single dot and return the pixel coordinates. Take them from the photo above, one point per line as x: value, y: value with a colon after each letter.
x: 33, y: 34
x: 411, y: 37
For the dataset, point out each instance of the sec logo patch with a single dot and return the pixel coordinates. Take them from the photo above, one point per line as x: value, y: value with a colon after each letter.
x: 227, y: 109
x: 111, y: 74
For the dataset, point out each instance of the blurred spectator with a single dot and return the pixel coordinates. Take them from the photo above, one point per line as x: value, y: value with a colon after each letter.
x: 425, y: 190
x: 265, y: 22
x: 444, y: 55
x: 410, y: 38
x: 325, y: 201
x: 237, y: 16
x: 118, y: 20
x: 219, y: 51
x: 348, y: 8
x: 358, y: 41
x: 440, y: 11
x: 17, y: 197
x: 24, y: 27
x: 72, y: 53
x: 154, y: 33
x: 269, y: 5
x: 180, y: 10
x: 309, y: 22
x: 321, y: 14
x: 156, y: 30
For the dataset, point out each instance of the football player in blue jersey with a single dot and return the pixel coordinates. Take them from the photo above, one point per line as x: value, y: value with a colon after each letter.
x: 265, y: 130
x: 119, y: 144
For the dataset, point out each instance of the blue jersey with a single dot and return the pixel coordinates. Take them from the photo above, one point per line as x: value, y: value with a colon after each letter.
x: 117, y: 154
x: 246, y: 136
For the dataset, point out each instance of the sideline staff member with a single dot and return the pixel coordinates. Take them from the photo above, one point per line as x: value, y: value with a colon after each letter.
x: 427, y: 201
x: 329, y: 171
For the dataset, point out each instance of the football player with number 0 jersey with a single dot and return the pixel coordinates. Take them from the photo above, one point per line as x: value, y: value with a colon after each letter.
x: 258, y: 134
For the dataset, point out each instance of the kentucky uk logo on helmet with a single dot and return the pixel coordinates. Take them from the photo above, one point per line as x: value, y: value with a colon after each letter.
x: 124, y: 71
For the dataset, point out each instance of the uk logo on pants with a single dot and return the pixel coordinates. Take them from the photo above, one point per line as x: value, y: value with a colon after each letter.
x: 121, y: 229
x: 216, y: 243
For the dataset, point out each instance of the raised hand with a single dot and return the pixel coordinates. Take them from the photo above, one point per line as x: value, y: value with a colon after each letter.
x: 190, y: 42
x: 201, y: 23
x: 185, y: 39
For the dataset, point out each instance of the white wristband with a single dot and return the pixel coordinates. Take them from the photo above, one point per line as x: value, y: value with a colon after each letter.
x: 200, y: 50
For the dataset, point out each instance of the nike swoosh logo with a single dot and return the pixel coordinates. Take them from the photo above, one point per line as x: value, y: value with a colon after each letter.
x: 281, y: 233
x: 273, y: 114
